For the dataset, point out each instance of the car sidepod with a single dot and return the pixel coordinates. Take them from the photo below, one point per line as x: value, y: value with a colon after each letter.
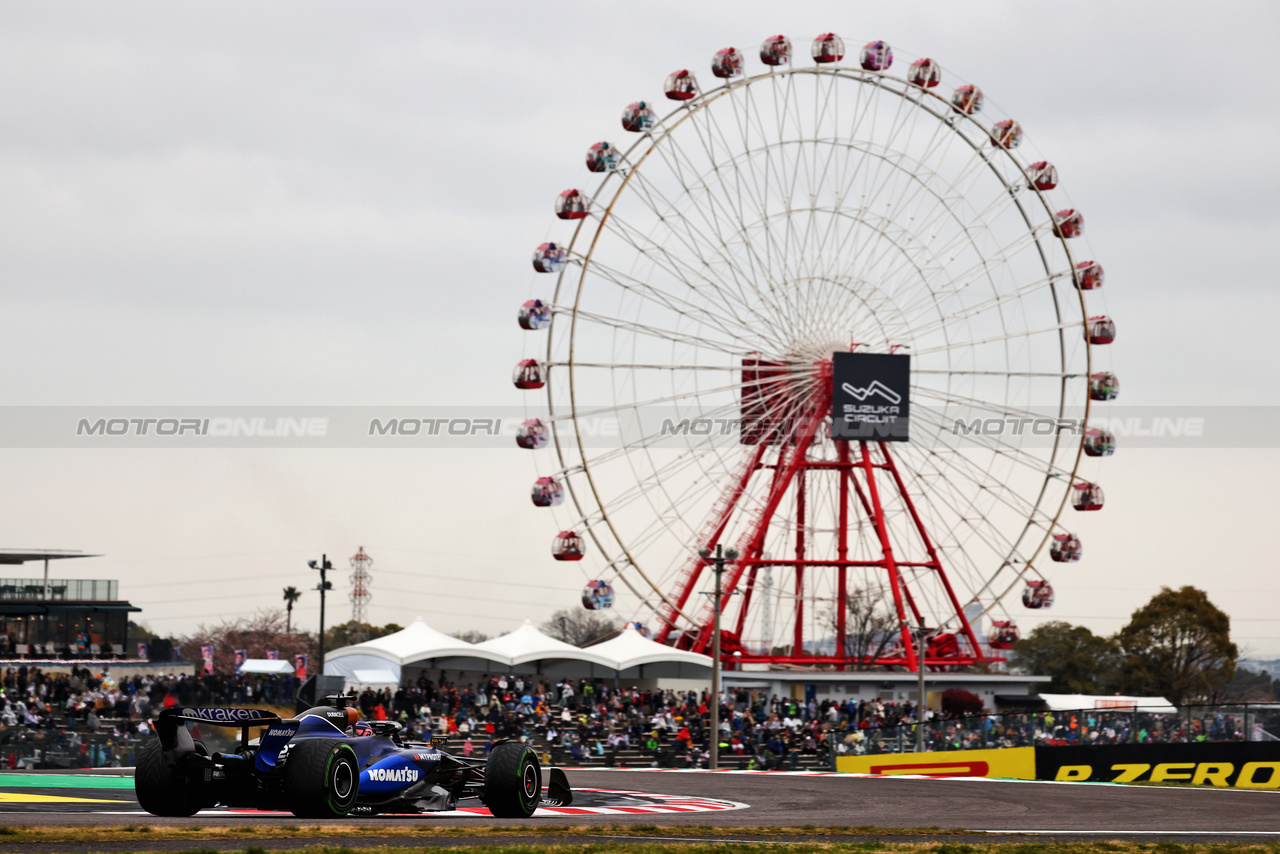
x: 407, y: 776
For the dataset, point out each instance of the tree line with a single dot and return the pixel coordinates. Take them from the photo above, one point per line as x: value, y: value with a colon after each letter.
x: 1177, y: 646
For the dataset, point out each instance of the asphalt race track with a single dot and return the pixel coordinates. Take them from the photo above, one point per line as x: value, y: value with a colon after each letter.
x: 729, y: 800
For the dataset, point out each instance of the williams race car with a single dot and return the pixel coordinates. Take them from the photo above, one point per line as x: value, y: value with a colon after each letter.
x: 326, y: 764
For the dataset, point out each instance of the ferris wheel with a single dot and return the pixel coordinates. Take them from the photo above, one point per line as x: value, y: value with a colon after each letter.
x: 734, y: 247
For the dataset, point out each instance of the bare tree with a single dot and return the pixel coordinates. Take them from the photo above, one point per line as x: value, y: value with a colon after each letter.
x: 265, y: 631
x: 871, y: 627
x: 470, y: 636
x: 579, y: 627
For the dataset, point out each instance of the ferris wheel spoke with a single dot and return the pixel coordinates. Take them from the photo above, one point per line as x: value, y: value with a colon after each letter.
x: 650, y: 330
x: 995, y: 407
x: 968, y: 232
x: 962, y: 522
x: 698, y: 278
x: 780, y: 413
x: 655, y: 401
x: 958, y: 281
x: 956, y: 465
x: 996, y: 206
x: 760, y: 180
x: 712, y: 219
x: 943, y: 204
x: 715, y: 220
x: 721, y: 322
x: 977, y: 309
x: 973, y: 518
x: 1025, y: 333
x: 938, y: 141
x: 859, y: 249
x: 1015, y: 453
x: 884, y: 170
x: 967, y: 373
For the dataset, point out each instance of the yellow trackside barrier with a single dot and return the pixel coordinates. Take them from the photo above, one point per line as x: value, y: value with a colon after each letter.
x: 1017, y: 763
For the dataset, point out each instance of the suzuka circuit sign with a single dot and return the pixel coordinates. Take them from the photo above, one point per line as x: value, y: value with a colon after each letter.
x: 869, y: 397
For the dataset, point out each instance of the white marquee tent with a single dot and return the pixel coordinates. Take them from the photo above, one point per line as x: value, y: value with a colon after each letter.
x: 526, y: 650
x: 637, y: 657
x: 267, y: 665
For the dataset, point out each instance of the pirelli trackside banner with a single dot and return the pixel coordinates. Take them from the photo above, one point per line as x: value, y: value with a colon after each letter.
x: 1243, y: 765
x: 1016, y: 763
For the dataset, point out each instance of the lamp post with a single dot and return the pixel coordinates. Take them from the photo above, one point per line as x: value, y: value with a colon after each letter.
x: 921, y: 633
x: 717, y: 565
x: 323, y: 565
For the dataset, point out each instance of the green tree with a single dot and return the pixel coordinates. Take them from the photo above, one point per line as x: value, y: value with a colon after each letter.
x: 1077, y: 660
x: 291, y: 595
x: 1178, y: 646
x: 351, y: 632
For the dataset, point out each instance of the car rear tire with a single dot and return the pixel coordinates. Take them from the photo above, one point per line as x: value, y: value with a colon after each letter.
x: 321, y: 778
x: 512, y: 781
x: 161, y: 790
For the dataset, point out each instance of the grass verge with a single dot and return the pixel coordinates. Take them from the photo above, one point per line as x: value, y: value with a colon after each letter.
x: 655, y: 847
x: 123, y: 833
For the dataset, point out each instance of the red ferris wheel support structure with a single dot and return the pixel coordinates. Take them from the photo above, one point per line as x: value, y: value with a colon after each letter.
x: 868, y: 480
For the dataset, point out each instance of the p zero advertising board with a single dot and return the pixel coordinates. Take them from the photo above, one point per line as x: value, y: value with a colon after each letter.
x: 1241, y: 765
x: 870, y: 397
x: 1238, y: 764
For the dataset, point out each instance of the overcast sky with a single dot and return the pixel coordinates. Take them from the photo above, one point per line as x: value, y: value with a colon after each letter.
x: 334, y: 204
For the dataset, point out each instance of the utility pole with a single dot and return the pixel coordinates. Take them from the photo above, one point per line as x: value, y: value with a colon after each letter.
x: 717, y: 565
x: 323, y: 566
x: 921, y: 634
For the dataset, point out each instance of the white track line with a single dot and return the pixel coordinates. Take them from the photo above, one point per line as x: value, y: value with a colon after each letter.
x: 1135, y: 832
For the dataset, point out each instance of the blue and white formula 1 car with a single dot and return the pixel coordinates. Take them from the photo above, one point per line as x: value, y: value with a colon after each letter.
x: 325, y: 764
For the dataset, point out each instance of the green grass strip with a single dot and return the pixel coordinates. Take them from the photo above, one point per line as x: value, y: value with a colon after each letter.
x: 64, y: 781
x: 1098, y: 847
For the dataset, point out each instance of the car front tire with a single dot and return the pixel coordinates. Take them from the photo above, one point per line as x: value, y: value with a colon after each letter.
x: 512, y: 781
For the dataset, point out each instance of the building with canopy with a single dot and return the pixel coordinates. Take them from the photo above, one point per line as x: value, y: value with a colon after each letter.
x: 51, y: 619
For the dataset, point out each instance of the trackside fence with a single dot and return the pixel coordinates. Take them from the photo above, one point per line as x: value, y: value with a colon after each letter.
x: 1079, y: 727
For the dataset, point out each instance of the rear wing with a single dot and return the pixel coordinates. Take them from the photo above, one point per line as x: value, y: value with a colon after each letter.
x: 222, y: 717
x: 175, y: 739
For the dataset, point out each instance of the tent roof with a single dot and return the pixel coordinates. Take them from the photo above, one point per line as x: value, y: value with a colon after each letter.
x: 1116, y: 702
x: 420, y: 642
x: 630, y: 649
x: 266, y: 665
x: 416, y: 642
x: 527, y: 643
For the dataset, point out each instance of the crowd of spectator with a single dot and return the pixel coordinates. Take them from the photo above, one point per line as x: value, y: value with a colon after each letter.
x: 89, y: 719
x: 1086, y: 727
x: 83, y: 718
